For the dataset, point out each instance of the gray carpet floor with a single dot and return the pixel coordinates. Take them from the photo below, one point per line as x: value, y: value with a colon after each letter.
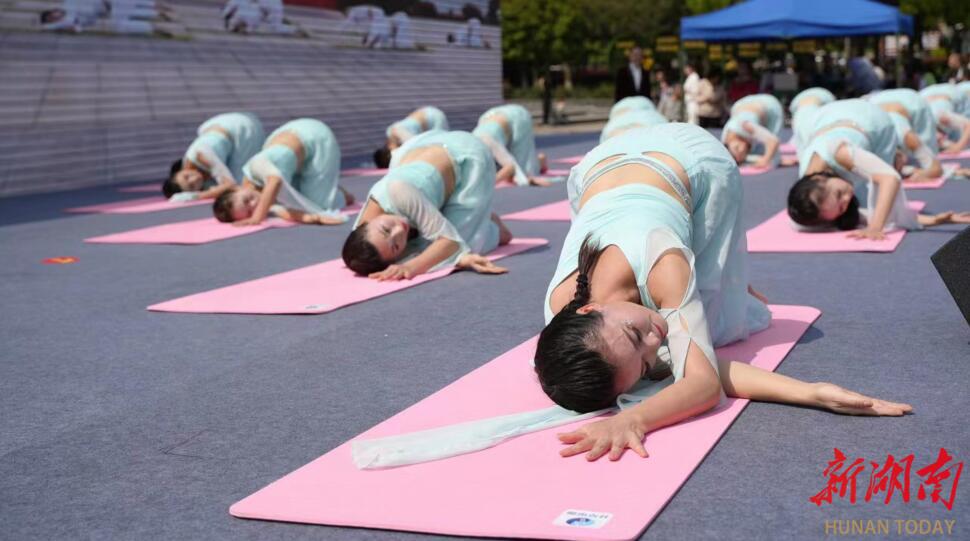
x: 119, y: 423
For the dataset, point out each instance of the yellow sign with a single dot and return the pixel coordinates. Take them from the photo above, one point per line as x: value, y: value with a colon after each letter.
x: 804, y: 46
x: 668, y: 44
x: 715, y: 52
x: 777, y: 46
x: 749, y: 50
x: 694, y: 44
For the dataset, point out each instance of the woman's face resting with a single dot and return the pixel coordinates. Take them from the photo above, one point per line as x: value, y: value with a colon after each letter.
x: 832, y: 197
x: 243, y: 202
x: 388, y: 233
x: 630, y: 335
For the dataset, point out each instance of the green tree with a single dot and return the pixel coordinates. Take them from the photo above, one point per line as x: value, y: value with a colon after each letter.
x: 932, y: 12
x: 703, y: 6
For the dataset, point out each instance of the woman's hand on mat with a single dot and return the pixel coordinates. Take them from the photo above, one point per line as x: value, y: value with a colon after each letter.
x: 834, y: 398
x: 762, y: 164
x: 873, y: 234
x: 948, y: 217
x: 392, y: 272
x: 480, y: 264
x: 613, y: 435
x: 252, y: 220
x: 327, y: 220
x: 539, y: 181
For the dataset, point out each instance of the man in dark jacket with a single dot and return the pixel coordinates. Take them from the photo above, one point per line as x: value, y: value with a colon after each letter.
x: 632, y: 79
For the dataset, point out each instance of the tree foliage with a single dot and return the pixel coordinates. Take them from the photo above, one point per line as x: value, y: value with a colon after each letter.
x: 581, y: 32
x: 930, y: 13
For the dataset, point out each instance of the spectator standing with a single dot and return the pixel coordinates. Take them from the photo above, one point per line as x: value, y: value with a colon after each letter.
x: 692, y: 84
x: 632, y: 80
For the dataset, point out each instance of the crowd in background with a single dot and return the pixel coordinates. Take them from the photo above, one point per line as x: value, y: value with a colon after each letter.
x: 703, y: 95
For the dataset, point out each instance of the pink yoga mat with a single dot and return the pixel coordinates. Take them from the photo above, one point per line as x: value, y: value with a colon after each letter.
x: 552, y: 212
x: 153, y: 187
x: 195, y: 231
x: 572, y: 160
x: 777, y: 235
x: 787, y: 148
x: 750, y: 170
x: 521, y: 487
x: 948, y: 169
x: 316, y: 289
x: 188, y: 232
x: 957, y: 156
x: 137, y: 206
x: 363, y: 172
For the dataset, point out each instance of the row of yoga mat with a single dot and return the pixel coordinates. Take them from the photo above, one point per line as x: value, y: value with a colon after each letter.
x: 520, y: 488
x: 774, y: 235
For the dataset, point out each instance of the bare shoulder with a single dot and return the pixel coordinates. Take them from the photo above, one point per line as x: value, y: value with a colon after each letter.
x: 668, y: 279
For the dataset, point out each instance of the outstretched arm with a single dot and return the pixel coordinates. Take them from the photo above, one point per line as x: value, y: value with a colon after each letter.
x: 271, y: 188
x: 883, y: 175
x: 510, y: 169
x: 214, y: 165
x: 962, y: 122
x: 766, y: 138
x: 948, y: 217
x: 697, y: 391
x: 929, y: 165
x: 742, y: 380
x: 301, y: 217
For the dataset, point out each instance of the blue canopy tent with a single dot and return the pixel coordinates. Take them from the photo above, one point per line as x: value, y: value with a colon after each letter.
x: 793, y: 19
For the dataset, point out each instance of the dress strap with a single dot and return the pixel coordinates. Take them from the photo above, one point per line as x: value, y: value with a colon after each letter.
x: 658, y: 166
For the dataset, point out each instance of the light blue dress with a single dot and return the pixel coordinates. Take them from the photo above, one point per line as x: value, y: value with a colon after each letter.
x: 523, y: 143
x: 920, y: 121
x: 857, y: 122
x: 310, y: 186
x: 644, y: 222
x: 245, y: 138
x: 803, y: 115
x: 628, y: 121
x: 630, y: 104
x: 940, y: 107
x: 469, y: 208
x: 434, y: 119
x: 823, y: 95
x: 964, y: 89
x: 772, y: 118
x: 712, y: 231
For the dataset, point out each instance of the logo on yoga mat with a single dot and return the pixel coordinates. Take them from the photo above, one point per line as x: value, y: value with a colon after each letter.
x: 63, y: 260
x: 578, y: 518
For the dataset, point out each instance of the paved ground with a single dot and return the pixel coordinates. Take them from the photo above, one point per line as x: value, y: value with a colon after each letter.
x: 118, y: 423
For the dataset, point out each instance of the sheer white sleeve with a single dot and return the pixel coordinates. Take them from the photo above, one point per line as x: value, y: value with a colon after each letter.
x: 686, y: 324
x: 424, y: 214
x: 401, y: 133
x: 262, y: 168
x: 504, y: 158
x: 759, y: 133
x: 217, y: 169
x: 867, y: 164
x: 955, y: 120
x: 924, y: 156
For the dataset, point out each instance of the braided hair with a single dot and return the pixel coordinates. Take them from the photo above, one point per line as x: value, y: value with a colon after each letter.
x: 570, y: 367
